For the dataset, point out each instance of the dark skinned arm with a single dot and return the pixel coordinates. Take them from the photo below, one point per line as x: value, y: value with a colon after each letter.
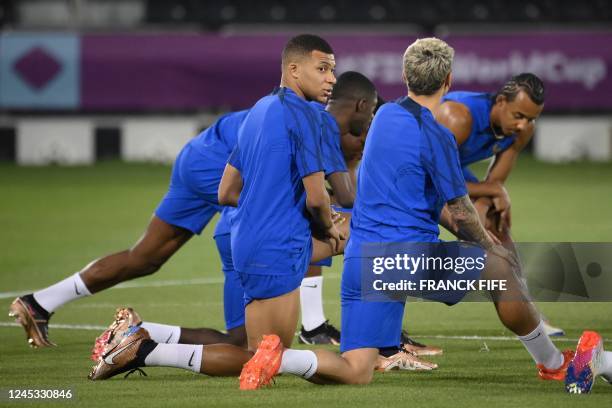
x: 230, y: 186
x: 343, y: 189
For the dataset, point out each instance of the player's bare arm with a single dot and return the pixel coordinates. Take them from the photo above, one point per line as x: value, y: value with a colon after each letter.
x: 343, y: 189
x: 318, y: 205
x: 499, y: 171
x: 230, y: 186
x: 465, y: 217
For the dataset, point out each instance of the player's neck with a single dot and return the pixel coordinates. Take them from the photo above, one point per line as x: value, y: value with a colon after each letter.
x: 339, y: 112
x: 431, y: 102
x: 288, y: 83
x: 493, y: 116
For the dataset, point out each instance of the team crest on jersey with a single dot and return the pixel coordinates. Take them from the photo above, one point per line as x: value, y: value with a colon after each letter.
x: 496, y: 148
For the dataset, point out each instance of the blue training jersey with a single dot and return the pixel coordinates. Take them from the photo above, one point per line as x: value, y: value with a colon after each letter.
x: 218, y: 140
x: 279, y: 143
x: 331, y: 151
x: 410, y: 168
x: 481, y: 143
x: 215, y: 144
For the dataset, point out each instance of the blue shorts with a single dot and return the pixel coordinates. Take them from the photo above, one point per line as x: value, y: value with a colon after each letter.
x: 191, y: 200
x: 342, y: 209
x: 268, y: 286
x: 377, y: 323
x: 233, y: 294
x: 323, y: 262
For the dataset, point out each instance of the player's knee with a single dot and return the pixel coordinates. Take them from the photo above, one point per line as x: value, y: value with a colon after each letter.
x: 237, y: 338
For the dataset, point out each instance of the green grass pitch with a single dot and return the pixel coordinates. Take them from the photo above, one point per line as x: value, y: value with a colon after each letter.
x: 54, y: 220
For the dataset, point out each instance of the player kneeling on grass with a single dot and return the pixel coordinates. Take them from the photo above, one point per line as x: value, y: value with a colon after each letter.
x: 410, y: 169
x: 276, y: 171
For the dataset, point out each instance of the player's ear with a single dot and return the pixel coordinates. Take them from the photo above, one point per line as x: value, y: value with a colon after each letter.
x: 361, y: 105
x: 500, y: 98
x: 293, y: 70
x: 449, y: 80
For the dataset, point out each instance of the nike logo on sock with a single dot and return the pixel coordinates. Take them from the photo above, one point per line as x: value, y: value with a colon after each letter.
x: 310, y: 286
x: 306, y: 372
x: 76, y: 289
x: 191, y: 358
x: 534, y: 337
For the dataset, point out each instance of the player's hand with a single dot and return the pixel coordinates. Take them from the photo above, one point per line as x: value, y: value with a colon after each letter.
x: 483, y: 205
x: 335, y: 236
x: 501, y: 201
x: 337, y: 218
x: 504, y: 221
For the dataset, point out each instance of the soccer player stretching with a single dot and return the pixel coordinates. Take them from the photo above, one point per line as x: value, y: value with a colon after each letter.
x: 410, y: 169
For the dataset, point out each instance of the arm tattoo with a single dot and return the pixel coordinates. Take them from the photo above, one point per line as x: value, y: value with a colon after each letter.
x: 464, y: 214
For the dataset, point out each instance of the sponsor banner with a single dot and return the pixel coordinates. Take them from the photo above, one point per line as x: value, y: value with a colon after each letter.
x: 451, y: 272
x: 160, y: 72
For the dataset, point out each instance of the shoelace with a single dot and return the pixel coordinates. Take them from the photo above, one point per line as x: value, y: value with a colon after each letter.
x: 140, y: 371
x: 408, y: 340
x: 331, y: 330
x: 403, y: 350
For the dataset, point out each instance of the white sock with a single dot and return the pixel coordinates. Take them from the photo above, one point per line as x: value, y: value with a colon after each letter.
x: 187, y: 356
x: 302, y: 363
x: 163, y: 333
x: 541, y: 348
x: 606, y: 366
x: 61, y: 293
x: 311, y: 301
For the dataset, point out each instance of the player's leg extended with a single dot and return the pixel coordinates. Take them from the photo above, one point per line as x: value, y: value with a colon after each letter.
x: 505, y: 237
x: 183, y: 212
x: 519, y: 315
x: 127, y: 346
x: 233, y: 303
x: 159, y: 242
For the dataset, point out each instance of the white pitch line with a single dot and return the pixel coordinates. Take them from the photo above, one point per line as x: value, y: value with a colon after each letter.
x: 62, y: 326
x: 431, y: 336
x: 500, y: 338
x: 153, y: 284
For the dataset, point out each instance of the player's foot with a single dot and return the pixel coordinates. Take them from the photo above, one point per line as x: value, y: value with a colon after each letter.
x: 264, y: 365
x: 124, y: 318
x: 553, y: 331
x: 34, y: 320
x: 559, y: 373
x: 420, y: 349
x: 585, y: 365
x: 404, y: 360
x: 128, y: 354
x: 324, y: 334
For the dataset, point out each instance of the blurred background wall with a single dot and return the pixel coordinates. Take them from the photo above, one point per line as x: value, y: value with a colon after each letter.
x: 82, y: 80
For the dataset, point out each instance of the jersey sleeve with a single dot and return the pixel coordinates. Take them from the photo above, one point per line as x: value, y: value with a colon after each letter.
x: 440, y: 158
x: 332, y: 156
x: 306, y: 136
x: 234, y: 158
